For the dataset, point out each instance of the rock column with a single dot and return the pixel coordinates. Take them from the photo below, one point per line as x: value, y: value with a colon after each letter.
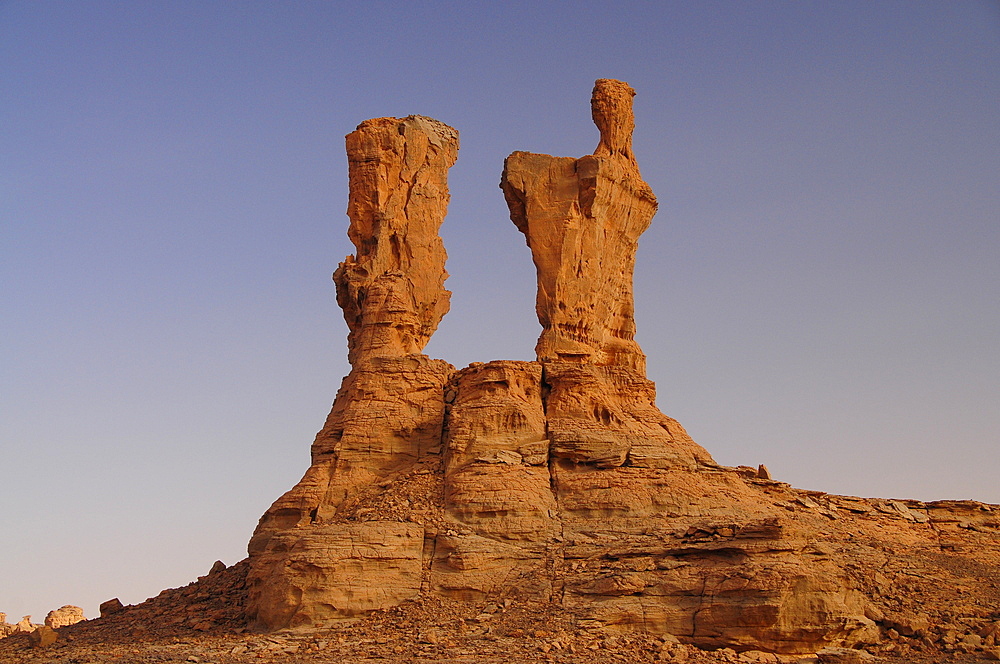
x: 308, y: 562
x: 392, y: 290
x: 582, y: 219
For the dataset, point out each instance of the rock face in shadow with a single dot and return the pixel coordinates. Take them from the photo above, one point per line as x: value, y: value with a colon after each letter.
x: 557, y: 480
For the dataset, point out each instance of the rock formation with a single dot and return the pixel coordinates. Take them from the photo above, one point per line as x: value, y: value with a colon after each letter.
x: 559, y: 480
x: 25, y: 626
x: 307, y: 564
x: 392, y: 292
x: 111, y: 607
x: 63, y: 616
x: 43, y: 637
x: 582, y: 219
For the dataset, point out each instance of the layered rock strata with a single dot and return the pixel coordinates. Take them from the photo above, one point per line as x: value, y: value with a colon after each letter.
x: 557, y: 480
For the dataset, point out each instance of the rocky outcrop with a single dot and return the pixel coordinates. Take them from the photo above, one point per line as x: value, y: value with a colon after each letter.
x: 559, y: 480
x: 63, y: 616
x: 111, y: 607
x: 25, y: 626
x: 392, y: 290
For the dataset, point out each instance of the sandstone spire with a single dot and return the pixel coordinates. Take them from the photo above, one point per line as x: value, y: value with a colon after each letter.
x: 582, y: 219
x: 392, y: 291
x: 611, y: 108
x: 389, y: 412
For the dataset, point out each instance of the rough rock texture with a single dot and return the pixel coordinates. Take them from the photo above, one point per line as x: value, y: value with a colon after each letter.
x: 111, y: 607
x: 945, y: 601
x: 389, y: 413
x: 582, y: 219
x: 558, y: 483
x: 392, y: 291
x: 25, y: 626
x: 43, y: 637
x: 66, y: 615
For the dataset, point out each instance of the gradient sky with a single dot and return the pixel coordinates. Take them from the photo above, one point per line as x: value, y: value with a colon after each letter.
x: 819, y: 292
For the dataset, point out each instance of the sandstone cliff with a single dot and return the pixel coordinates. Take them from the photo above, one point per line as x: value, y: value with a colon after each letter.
x: 559, y: 480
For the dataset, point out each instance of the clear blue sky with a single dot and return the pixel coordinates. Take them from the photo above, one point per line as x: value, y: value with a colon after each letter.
x: 819, y: 291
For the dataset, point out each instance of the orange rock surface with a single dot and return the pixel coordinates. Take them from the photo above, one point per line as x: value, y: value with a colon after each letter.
x: 582, y: 219
x: 63, y: 616
x: 560, y: 481
x: 392, y: 291
x: 389, y: 413
x: 519, y: 510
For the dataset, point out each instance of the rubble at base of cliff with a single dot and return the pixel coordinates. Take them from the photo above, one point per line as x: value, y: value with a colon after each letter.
x: 189, y: 625
x: 205, y: 622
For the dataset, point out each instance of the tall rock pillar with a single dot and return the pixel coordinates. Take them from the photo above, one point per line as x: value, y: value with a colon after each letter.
x: 309, y: 561
x: 392, y: 290
x: 582, y: 219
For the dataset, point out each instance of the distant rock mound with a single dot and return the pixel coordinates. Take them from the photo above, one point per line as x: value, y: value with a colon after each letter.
x: 63, y: 616
x: 22, y: 626
x: 559, y: 480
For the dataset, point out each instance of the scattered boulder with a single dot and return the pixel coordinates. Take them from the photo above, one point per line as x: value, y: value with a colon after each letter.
x: 111, y: 607
x: 43, y: 637
x: 908, y: 624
